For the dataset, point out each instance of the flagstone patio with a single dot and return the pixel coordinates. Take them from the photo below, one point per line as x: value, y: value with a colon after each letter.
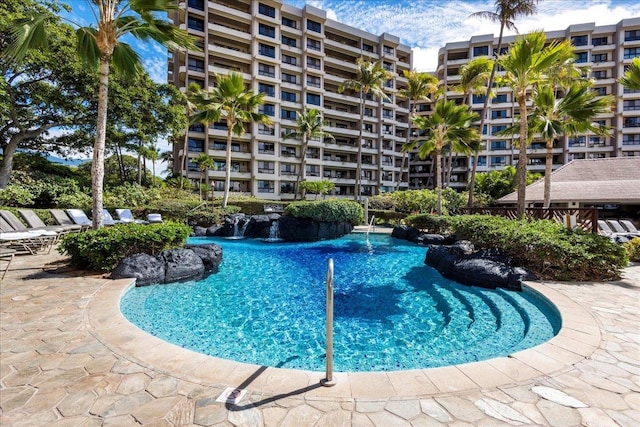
x: 68, y: 357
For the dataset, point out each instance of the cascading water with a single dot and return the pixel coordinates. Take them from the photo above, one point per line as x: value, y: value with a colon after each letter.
x: 238, y: 232
x: 274, y: 232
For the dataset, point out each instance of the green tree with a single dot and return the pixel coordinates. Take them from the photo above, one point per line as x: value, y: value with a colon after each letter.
x: 420, y: 86
x: 369, y: 82
x: 230, y: 101
x: 40, y: 93
x: 189, y: 108
x: 103, y: 45
x: 572, y: 114
x: 448, y: 124
x: 318, y: 187
x: 310, y: 125
x: 473, y: 77
x: 526, y: 65
x: 505, y: 12
x: 204, y: 163
x: 631, y: 77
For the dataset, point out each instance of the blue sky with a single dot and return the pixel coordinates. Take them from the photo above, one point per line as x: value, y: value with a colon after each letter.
x: 425, y: 25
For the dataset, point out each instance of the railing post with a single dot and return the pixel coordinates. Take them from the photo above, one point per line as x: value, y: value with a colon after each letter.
x: 328, y: 381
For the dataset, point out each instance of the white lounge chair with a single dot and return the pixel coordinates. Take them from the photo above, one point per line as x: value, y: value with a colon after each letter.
x: 619, y: 229
x: 108, y: 220
x: 30, y: 242
x: 125, y: 216
x: 79, y: 217
x: 63, y: 219
x: 17, y: 225
x: 629, y: 226
x: 154, y: 218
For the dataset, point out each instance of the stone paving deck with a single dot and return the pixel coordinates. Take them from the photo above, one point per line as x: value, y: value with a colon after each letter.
x: 69, y: 358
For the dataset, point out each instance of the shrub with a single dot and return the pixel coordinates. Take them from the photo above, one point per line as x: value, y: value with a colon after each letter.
x: 429, y: 223
x: 74, y: 200
x: 15, y: 195
x: 327, y: 210
x: 206, y: 217
x: 545, y: 247
x: 391, y: 217
x: 382, y: 202
x: 256, y: 207
x: 633, y: 249
x: 102, y: 249
x: 126, y: 195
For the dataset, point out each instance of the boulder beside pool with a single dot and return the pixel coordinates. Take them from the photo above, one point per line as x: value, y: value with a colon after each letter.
x: 174, y: 265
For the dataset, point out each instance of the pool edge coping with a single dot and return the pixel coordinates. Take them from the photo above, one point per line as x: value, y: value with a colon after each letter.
x: 577, y: 339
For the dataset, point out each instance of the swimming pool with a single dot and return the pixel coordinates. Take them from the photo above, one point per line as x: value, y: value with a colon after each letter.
x: 266, y: 306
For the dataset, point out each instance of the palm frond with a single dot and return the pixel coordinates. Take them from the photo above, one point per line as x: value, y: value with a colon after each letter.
x: 25, y: 34
x: 125, y: 60
x: 631, y: 77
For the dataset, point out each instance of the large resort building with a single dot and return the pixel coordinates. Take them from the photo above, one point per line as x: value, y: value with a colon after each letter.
x: 299, y: 58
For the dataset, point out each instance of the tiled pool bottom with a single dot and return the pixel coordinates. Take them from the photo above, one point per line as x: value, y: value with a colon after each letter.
x: 266, y: 306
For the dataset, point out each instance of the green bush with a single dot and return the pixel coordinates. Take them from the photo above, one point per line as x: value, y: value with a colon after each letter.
x: 633, y: 249
x: 207, y: 216
x: 383, y: 216
x: 74, y: 201
x: 545, y: 247
x: 102, y: 249
x: 126, y: 195
x: 15, y: 195
x: 327, y: 210
x: 256, y: 207
x: 430, y: 223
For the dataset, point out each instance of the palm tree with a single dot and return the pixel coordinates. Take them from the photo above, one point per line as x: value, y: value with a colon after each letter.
x: 447, y: 125
x: 473, y: 77
x: 631, y: 77
x: 572, y: 114
x: 204, y: 163
x: 189, y: 108
x: 103, y: 46
x: 505, y: 13
x: 230, y: 101
x: 420, y: 86
x: 369, y: 81
x: 310, y: 125
x: 526, y: 63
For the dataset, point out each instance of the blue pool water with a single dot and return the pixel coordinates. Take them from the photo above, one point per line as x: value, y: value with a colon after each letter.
x: 266, y: 306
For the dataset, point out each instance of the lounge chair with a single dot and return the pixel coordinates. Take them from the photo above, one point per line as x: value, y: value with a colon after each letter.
x: 27, y: 242
x: 125, y: 216
x: 107, y: 219
x: 79, y: 217
x: 63, y: 219
x: 154, y: 218
x: 35, y: 222
x: 629, y: 226
x: 18, y: 226
x: 605, y: 230
x: 6, y: 255
x: 5, y: 226
x: 619, y: 229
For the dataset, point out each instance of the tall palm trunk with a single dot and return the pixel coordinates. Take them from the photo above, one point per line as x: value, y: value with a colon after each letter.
x: 439, y: 181
x: 485, y: 106
x: 359, y: 159
x: 227, y: 180
x: 97, y: 166
x: 521, y: 171
x: 184, y: 159
x: 547, y: 174
x: 404, y: 154
x: 303, y: 165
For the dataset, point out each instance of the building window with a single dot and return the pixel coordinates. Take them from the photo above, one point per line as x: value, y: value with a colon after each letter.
x: 631, y: 35
x: 267, y: 30
x: 196, y: 145
x: 477, y: 99
x: 631, y: 139
x: 288, y: 59
x: 387, y: 66
x: 632, y: 52
x: 367, y: 47
x: 631, y: 105
x: 266, y: 167
x: 498, y: 161
x: 314, y: 44
x: 314, y: 63
x: 499, y: 114
x: 387, y: 114
x: 196, y: 65
x: 498, y: 145
x: 198, y: 127
x: 480, y: 50
x: 577, y: 141
x: 268, y: 90
x: 582, y: 57
x: 265, y: 186
x: 287, y: 188
x: 600, y: 74
x: 314, y: 26
x: 599, y: 57
x: 601, y: 91
x: 632, y: 122
x: 387, y: 50
x: 288, y: 152
x: 313, y: 81
x: 267, y: 109
x: 288, y: 114
x: 288, y: 96
x: 266, y: 50
x: 266, y: 148
x: 287, y: 22
x: 289, y: 78
x: 195, y: 24
x: 287, y: 170
x: 599, y: 41
x: 313, y: 170
x: 580, y: 40
x: 266, y: 10
x: 496, y: 129
x: 313, y: 99
x: 289, y: 41
x: 265, y: 130
x: 196, y: 4
x: 266, y: 70
x: 500, y: 98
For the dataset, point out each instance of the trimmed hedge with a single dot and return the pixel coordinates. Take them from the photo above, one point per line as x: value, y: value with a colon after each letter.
x: 256, y: 207
x: 430, y: 223
x: 545, y: 247
x: 104, y: 248
x: 327, y: 210
x: 384, y: 216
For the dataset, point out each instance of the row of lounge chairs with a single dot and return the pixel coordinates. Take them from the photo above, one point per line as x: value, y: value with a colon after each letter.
x: 36, y: 236
x: 617, y: 230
